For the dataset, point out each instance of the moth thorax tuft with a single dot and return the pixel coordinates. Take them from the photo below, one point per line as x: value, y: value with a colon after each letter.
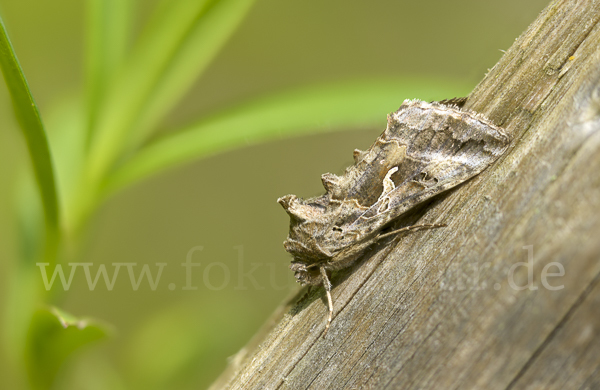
x: 330, y: 182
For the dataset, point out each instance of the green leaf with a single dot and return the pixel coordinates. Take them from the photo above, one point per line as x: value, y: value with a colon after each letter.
x: 178, y: 44
x: 299, y: 112
x: 53, y: 336
x: 107, y: 31
x: 193, y: 56
x: 66, y: 121
x: 31, y: 125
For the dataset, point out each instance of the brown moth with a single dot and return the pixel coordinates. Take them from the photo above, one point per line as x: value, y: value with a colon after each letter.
x: 426, y: 149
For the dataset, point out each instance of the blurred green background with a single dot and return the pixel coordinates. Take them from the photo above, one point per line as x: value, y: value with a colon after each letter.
x: 225, y: 201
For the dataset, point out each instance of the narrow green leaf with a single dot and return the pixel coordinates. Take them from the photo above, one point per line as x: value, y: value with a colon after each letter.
x: 173, y: 51
x: 31, y: 125
x: 195, y: 53
x: 66, y: 122
x: 304, y: 111
x: 129, y: 90
x: 107, y: 32
x: 52, y: 337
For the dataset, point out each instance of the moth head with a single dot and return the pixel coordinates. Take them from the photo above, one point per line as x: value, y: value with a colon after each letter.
x: 306, y: 274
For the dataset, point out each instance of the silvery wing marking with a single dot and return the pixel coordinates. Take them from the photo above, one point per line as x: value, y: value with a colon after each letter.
x: 426, y: 149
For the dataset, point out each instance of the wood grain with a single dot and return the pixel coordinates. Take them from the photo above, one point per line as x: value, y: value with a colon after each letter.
x: 441, y: 309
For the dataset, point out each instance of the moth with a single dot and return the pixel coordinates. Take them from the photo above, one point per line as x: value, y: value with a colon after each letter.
x: 427, y: 148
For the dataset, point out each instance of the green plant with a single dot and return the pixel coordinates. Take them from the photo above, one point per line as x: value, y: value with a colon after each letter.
x: 108, y: 143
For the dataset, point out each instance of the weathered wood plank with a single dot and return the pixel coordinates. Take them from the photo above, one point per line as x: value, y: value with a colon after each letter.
x: 442, y: 308
x: 571, y: 359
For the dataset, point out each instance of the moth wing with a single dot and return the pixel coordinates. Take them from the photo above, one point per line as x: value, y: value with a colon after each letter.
x: 428, y: 148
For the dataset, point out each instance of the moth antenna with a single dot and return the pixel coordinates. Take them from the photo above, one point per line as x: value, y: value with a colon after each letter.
x: 327, y: 285
x: 358, y: 155
x: 330, y: 181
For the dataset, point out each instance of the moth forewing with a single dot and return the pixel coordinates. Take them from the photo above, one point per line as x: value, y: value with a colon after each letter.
x: 426, y: 149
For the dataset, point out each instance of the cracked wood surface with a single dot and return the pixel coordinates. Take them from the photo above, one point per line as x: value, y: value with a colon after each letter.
x: 439, y: 308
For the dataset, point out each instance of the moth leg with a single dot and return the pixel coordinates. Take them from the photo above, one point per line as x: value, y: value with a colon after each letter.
x: 414, y: 227
x: 327, y: 285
